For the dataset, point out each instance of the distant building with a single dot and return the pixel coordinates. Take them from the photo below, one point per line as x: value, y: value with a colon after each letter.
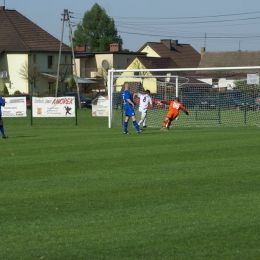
x: 225, y: 79
x: 182, y: 54
x: 165, y: 54
x: 94, y: 65
x: 24, y: 44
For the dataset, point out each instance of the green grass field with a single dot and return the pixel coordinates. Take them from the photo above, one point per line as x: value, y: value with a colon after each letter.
x: 199, y: 118
x: 89, y: 192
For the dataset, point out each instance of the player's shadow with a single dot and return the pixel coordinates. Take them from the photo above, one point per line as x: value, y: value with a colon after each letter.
x: 22, y: 136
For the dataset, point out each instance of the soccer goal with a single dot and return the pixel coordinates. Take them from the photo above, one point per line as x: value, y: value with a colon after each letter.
x: 220, y: 96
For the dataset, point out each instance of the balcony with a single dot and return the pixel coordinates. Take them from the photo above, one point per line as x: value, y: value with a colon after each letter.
x: 89, y: 73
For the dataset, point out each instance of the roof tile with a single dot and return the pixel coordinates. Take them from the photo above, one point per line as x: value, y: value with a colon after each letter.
x: 19, y: 34
x: 184, y: 55
x: 230, y: 59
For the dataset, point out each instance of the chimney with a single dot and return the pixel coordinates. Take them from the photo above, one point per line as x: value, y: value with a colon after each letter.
x: 175, y: 42
x: 167, y: 43
x: 114, y: 47
x: 80, y: 48
x: 202, y: 50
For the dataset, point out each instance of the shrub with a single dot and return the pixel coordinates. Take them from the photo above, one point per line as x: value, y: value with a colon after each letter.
x: 6, y: 92
x: 45, y: 93
x: 72, y: 83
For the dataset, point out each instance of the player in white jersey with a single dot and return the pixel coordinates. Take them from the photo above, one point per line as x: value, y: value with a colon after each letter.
x: 145, y: 101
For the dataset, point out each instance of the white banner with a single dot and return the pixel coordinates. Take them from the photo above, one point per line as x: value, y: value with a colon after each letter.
x: 100, y: 106
x: 253, y: 78
x: 14, y: 107
x: 53, y: 107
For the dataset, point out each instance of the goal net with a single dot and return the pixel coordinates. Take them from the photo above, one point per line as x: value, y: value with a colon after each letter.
x: 224, y: 96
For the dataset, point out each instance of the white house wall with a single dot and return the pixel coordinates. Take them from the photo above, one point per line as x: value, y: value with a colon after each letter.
x: 79, y: 64
x: 101, y: 57
x: 226, y: 83
x: 42, y: 61
x: 15, y: 81
x: 223, y: 83
x: 208, y: 81
x: 117, y: 61
x: 14, y: 62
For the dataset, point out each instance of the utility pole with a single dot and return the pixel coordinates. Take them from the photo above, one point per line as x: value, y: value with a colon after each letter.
x: 74, y: 61
x: 205, y: 38
x: 66, y: 17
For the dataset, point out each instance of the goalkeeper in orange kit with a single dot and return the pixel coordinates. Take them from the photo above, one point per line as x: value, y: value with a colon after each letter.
x: 174, y: 107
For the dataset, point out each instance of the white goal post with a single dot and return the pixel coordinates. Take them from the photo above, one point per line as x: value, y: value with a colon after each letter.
x: 225, y: 87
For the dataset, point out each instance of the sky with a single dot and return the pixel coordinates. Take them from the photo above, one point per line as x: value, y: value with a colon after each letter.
x: 223, y: 25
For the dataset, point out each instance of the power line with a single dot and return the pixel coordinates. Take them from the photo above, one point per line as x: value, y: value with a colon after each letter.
x: 214, y: 21
x: 172, y: 27
x: 185, y: 17
x: 136, y: 19
x: 193, y: 37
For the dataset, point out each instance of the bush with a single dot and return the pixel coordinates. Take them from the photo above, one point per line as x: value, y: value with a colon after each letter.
x: 17, y: 92
x: 72, y: 83
x: 45, y: 93
x: 6, y: 92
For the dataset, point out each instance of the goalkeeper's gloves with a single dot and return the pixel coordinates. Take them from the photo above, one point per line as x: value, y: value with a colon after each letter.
x: 187, y: 113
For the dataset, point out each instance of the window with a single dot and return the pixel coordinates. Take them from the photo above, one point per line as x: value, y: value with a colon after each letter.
x: 51, y: 86
x: 50, y: 62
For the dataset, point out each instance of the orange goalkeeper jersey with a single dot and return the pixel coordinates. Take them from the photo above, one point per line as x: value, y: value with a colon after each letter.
x: 174, y: 108
x: 175, y: 105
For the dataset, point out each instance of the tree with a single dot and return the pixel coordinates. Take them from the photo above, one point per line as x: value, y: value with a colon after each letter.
x: 2, y: 62
x: 6, y: 92
x: 72, y: 83
x: 251, y: 89
x: 65, y: 71
x: 30, y: 73
x: 97, y: 31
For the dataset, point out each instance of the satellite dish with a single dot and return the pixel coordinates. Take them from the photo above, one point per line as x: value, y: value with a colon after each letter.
x: 105, y: 64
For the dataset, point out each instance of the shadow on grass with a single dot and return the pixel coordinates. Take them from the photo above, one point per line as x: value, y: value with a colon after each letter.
x: 22, y: 136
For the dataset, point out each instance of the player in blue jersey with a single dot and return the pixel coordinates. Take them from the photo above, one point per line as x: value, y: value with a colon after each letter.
x: 129, y: 109
x: 2, y: 104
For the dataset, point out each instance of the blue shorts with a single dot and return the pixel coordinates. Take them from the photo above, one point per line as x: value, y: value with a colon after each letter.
x: 129, y: 111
